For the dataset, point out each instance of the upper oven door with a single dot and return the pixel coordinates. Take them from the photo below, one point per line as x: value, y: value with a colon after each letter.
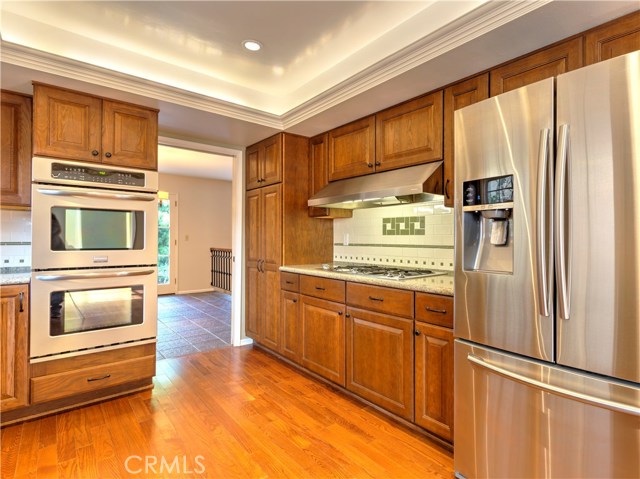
x: 81, y: 227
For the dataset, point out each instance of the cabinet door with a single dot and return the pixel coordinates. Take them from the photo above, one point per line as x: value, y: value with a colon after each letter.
x: 271, y: 160
x: 253, y: 259
x: 323, y: 336
x: 66, y: 124
x: 252, y: 167
x: 130, y: 135
x: 613, y: 39
x: 290, y: 326
x: 271, y: 226
x: 352, y: 149
x: 380, y: 360
x: 458, y: 96
x: 547, y: 63
x: 318, y: 169
x: 434, y: 379
x: 14, y: 336
x: 410, y: 133
x: 270, y: 279
x: 15, y: 155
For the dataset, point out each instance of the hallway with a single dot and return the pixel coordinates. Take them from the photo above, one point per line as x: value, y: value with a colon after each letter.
x: 192, y: 323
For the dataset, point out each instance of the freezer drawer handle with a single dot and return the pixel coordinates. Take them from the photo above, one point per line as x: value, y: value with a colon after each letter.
x: 584, y: 398
x: 91, y: 194
x: 120, y: 274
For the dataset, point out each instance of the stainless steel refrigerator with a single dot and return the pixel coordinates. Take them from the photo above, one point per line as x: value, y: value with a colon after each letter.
x: 547, y: 278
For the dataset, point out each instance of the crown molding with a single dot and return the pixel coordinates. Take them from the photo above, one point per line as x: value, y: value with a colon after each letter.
x: 472, y: 25
x: 466, y: 28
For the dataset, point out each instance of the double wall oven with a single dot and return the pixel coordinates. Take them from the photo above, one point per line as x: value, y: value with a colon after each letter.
x: 94, y: 258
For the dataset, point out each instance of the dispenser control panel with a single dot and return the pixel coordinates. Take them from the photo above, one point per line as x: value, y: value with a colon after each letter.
x: 488, y: 191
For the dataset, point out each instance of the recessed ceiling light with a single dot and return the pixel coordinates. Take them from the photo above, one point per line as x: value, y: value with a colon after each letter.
x: 252, y: 45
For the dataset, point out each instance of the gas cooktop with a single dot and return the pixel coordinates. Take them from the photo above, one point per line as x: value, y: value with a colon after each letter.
x: 386, y: 272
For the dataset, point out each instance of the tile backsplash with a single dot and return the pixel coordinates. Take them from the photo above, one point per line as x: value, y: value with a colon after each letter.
x: 418, y: 235
x: 15, y: 238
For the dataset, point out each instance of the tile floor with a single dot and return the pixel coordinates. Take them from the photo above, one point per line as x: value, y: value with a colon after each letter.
x: 189, y: 323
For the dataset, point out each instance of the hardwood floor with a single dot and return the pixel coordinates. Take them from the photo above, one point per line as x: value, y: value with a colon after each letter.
x: 227, y: 413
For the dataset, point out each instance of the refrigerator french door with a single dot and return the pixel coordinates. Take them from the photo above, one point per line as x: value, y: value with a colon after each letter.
x: 547, y: 278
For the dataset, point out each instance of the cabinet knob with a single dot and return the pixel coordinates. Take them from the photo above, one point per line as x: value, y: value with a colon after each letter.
x: 95, y: 152
x: 294, y: 300
x: 378, y: 163
x: 416, y: 332
x: 370, y: 165
x: 339, y: 313
x: 107, y: 154
x: 348, y: 315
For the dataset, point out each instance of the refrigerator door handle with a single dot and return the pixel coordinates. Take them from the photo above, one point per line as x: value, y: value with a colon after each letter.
x: 545, y: 225
x: 553, y: 389
x: 562, y: 167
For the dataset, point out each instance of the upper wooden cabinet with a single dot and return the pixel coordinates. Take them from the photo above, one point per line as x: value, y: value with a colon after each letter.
x: 458, y: 96
x: 319, y: 176
x: 15, y: 155
x: 77, y: 126
x: 14, y: 343
x: 613, y: 39
x: 352, y: 149
x: 410, y: 133
x: 546, y: 63
x: 264, y: 163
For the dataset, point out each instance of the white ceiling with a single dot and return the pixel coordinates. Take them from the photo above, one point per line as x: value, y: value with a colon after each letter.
x: 323, y: 63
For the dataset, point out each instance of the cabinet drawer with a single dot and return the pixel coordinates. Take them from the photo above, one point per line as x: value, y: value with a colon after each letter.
x: 54, y: 386
x: 290, y: 281
x: 434, y: 309
x: 397, y: 302
x: 329, y: 289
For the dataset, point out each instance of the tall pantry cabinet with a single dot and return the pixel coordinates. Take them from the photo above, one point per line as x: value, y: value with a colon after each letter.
x: 278, y: 231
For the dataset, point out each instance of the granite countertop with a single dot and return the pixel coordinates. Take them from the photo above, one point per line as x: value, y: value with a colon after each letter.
x: 19, y: 275
x: 442, y: 284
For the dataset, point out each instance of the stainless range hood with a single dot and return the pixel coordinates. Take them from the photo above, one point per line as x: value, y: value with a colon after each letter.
x: 407, y: 185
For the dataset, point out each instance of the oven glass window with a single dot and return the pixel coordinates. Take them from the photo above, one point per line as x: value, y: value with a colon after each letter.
x: 92, y: 309
x: 96, y: 229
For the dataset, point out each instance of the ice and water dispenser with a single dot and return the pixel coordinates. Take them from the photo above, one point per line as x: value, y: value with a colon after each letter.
x: 488, y: 224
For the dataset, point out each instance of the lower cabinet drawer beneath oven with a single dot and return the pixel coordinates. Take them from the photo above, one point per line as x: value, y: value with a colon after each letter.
x: 94, y: 378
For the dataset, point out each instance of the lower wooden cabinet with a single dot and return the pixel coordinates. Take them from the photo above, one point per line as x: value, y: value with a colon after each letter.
x: 323, y: 338
x: 290, y: 326
x: 380, y: 360
x: 14, y: 347
x: 434, y: 379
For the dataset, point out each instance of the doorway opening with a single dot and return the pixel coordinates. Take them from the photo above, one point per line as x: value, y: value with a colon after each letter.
x: 167, y: 242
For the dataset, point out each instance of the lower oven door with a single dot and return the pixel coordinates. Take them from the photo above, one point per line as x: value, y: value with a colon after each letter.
x: 75, y: 311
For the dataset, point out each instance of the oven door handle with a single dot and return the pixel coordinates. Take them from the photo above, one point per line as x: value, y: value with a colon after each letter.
x: 119, y: 274
x: 95, y: 194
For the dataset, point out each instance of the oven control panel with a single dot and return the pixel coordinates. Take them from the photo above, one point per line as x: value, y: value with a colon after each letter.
x: 91, y: 174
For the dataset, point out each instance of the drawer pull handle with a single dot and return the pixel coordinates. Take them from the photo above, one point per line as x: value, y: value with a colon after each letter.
x: 319, y: 288
x: 373, y: 298
x: 98, y: 379
x: 289, y: 282
x: 433, y: 310
x: 21, y: 296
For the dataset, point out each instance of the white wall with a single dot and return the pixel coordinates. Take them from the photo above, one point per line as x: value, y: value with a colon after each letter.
x: 204, y: 221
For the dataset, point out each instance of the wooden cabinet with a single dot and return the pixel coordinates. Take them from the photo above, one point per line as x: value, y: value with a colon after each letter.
x: 264, y: 163
x: 537, y: 66
x: 434, y: 379
x: 264, y: 247
x: 319, y: 176
x: 352, y: 149
x: 434, y: 364
x: 398, y: 302
x: 613, y: 39
x: 78, y: 126
x: 324, y: 288
x: 458, y: 96
x: 15, y: 155
x: 323, y: 338
x: 290, y: 344
x: 279, y: 231
x: 409, y: 133
x: 14, y: 347
x: 380, y: 360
